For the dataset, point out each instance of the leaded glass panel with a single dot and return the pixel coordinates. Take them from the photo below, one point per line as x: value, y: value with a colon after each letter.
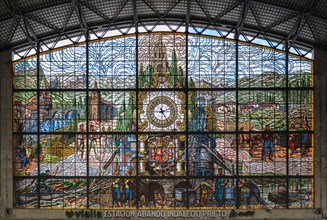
x: 163, y: 121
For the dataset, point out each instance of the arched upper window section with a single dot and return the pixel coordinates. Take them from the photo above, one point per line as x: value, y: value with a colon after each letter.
x: 279, y: 44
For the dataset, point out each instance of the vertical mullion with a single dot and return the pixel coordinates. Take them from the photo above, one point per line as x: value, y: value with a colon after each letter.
x: 287, y: 124
x: 237, y: 119
x: 187, y: 118
x: 87, y: 121
x: 137, y: 113
x: 38, y: 122
x: 188, y: 9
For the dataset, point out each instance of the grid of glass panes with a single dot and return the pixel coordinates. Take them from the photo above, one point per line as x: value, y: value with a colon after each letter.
x: 163, y: 120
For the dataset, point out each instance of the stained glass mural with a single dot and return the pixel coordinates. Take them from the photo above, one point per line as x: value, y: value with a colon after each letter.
x: 163, y: 120
x: 161, y: 60
x: 260, y: 108
x: 112, y: 63
x: 261, y: 67
x: 25, y: 76
x: 211, y: 63
x: 212, y: 110
x: 63, y: 69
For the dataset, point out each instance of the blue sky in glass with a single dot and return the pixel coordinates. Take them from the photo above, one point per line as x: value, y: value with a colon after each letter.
x: 181, y: 29
x: 210, y: 57
x: 67, y: 60
x: 299, y: 65
x: 113, y: 57
x: 207, y: 57
x: 108, y: 57
x: 257, y: 60
x: 28, y: 64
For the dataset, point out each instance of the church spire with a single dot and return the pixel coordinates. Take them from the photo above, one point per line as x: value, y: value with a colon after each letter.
x: 159, y: 58
x: 95, y: 100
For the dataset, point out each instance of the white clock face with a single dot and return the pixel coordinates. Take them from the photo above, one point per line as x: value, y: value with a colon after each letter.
x: 161, y: 111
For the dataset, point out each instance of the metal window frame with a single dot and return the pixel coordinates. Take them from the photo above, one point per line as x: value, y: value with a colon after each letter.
x: 187, y: 132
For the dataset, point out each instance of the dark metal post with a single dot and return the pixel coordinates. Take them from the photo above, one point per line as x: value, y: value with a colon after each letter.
x: 87, y: 119
x: 236, y: 126
x: 38, y: 122
x: 287, y: 123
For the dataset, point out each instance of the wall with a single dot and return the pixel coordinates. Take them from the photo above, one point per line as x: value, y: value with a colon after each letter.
x: 321, y: 129
x: 6, y: 180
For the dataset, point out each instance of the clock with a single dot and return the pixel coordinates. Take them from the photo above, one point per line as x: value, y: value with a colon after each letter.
x: 162, y: 111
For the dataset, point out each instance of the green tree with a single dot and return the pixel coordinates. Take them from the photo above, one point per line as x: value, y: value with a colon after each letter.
x: 80, y: 103
x: 129, y: 112
x: 173, y: 70
x: 180, y: 76
x: 142, y: 77
x: 192, y: 104
x: 125, y: 115
x: 149, y: 75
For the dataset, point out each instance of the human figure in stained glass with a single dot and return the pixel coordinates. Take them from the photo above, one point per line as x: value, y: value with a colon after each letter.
x: 80, y: 141
x: 268, y: 144
x: 220, y: 185
x: 253, y: 191
x: 22, y: 156
x: 305, y: 138
x: 115, y: 185
x: 128, y: 190
x: 30, y: 149
x: 205, y: 189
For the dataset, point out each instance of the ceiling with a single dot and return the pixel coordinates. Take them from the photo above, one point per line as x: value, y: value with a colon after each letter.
x: 24, y: 23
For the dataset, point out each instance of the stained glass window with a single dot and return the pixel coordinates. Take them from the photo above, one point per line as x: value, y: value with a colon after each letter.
x: 163, y: 120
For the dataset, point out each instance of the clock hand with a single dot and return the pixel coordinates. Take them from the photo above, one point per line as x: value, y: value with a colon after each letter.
x: 163, y: 112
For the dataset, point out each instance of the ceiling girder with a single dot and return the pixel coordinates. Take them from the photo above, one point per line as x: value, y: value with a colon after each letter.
x: 18, y: 16
x: 241, y: 20
x: 216, y: 19
x: 136, y: 20
x: 77, y: 8
x: 188, y: 9
x: 196, y: 12
x: 301, y: 21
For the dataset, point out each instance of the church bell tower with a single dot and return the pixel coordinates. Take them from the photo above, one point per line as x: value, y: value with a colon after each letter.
x: 95, y: 103
x: 160, y: 63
